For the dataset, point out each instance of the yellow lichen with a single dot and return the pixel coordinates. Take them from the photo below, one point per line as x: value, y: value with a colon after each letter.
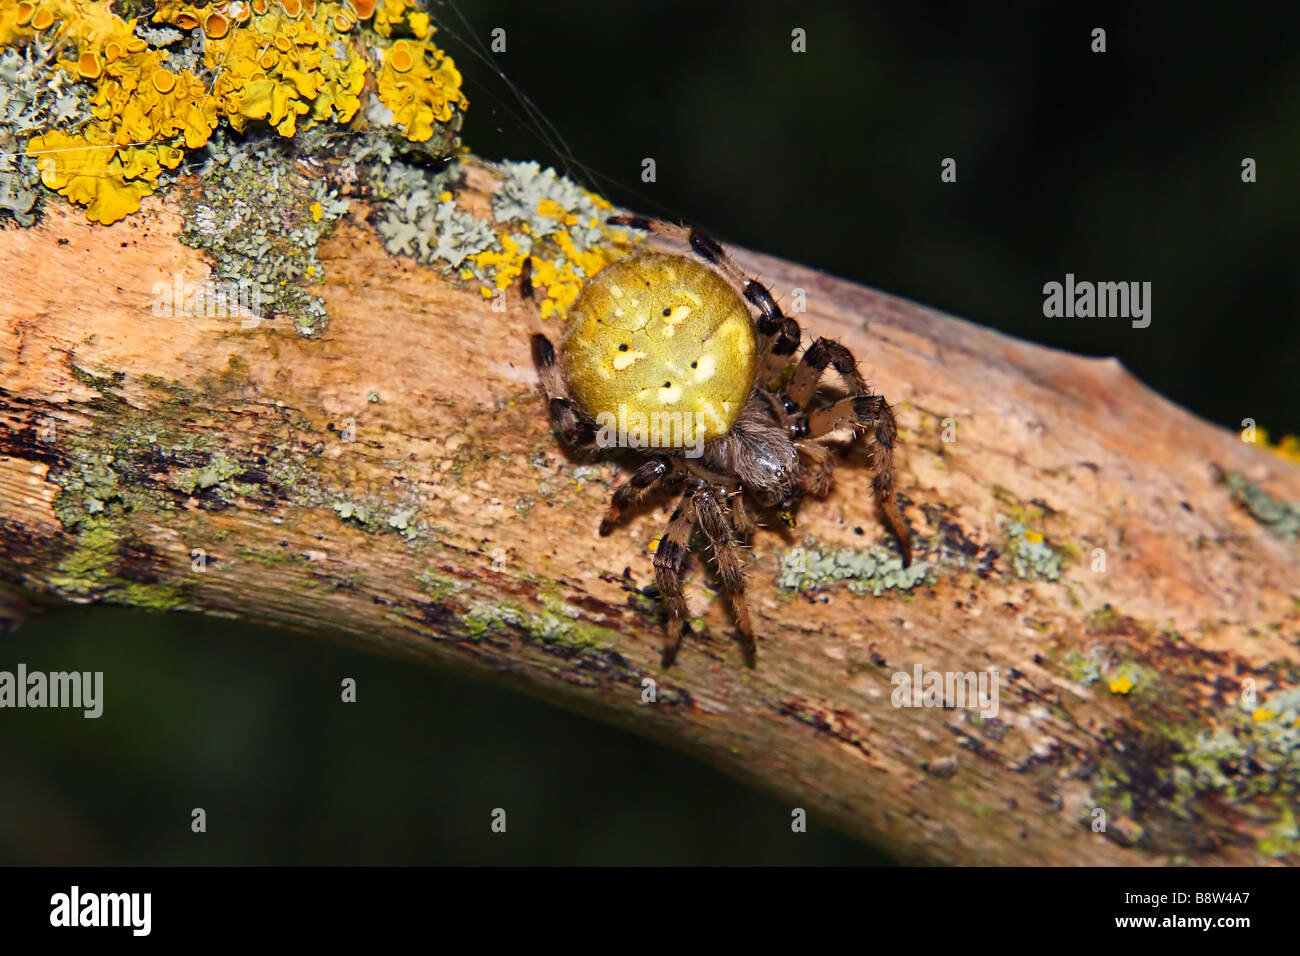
x: 283, y: 65
x: 1120, y: 685
x: 142, y: 112
x: 72, y: 24
x: 421, y: 85
x: 388, y: 14
x: 562, y: 278
x: 288, y: 63
x: 553, y: 210
x: 1288, y: 447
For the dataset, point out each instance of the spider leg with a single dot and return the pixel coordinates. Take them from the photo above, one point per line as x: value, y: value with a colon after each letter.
x: 778, y: 335
x: 526, y: 279
x: 819, y: 355
x: 861, y: 412
x: 775, y: 359
x: 815, y: 479
x: 744, y: 522
x: 642, y: 481
x: 669, y: 560
x: 711, y: 514
x: 576, y: 429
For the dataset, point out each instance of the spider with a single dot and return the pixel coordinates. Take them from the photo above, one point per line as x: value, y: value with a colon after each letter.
x: 668, y: 340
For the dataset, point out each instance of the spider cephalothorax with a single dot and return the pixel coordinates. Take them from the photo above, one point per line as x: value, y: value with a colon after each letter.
x: 662, y: 354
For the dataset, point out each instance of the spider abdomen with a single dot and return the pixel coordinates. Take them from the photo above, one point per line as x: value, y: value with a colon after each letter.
x: 658, y: 335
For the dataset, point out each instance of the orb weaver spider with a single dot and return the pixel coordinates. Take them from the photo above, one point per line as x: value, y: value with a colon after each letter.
x: 668, y: 335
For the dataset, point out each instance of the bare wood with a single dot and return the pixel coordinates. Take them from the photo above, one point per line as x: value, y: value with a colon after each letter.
x: 130, y: 442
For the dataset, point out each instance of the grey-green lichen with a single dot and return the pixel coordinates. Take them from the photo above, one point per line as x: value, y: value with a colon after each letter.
x: 140, y: 462
x: 440, y: 586
x: 416, y: 214
x: 212, y: 473
x: 1085, y: 667
x: 1267, y: 736
x: 1280, y: 517
x: 377, y: 515
x: 871, y: 570
x: 1163, y: 773
x: 90, y: 484
x: 528, y: 190
x: 423, y: 221
x: 1031, y: 555
x: 261, y: 220
x: 555, y: 623
x: 35, y: 97
x: 538, y: 217
x: 95, y: 567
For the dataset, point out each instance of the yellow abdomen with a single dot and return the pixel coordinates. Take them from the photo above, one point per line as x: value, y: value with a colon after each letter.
x: 656, y: 334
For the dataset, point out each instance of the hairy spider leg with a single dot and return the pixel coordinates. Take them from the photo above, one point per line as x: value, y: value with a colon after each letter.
x: 711, y: 516
x: 645, y: 479
x: 669, y: 562
x: 576, y: 430
x: 863, y: 413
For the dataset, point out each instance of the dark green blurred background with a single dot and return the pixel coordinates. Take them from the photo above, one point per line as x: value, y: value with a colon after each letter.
x: 1122, y: 166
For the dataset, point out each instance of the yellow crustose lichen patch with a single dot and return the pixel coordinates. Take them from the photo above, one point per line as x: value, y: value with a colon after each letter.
x: 660, y: 334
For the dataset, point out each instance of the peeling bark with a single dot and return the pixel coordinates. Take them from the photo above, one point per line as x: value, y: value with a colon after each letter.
x: 394, y: 482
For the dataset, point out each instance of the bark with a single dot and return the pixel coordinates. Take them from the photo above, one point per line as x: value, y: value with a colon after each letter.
x: 394, y: 483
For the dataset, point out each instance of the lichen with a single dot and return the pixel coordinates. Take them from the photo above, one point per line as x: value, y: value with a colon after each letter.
x: 421, y: 219
x: 1031, y: 555
x: 218, y: 469
x: 287, y: 66
x: 261, y: 219
x: 1283, y: 837
x: 555, y: 624
x: 420, y: 84
x: 1085, y: 668
x: 1167, y: 772
x: 1288, y: 446
x: 142, y: 112
x: 220, y: 88
x: 440, y: 586
x: 394, y: 512
x: 1282, y: 518
x: 871, y: 570
x: 557, y: 224
x: 90, y: 570
x: 36, y: 95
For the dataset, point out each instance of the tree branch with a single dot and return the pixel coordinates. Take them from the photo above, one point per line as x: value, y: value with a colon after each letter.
x: 394, y: 481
